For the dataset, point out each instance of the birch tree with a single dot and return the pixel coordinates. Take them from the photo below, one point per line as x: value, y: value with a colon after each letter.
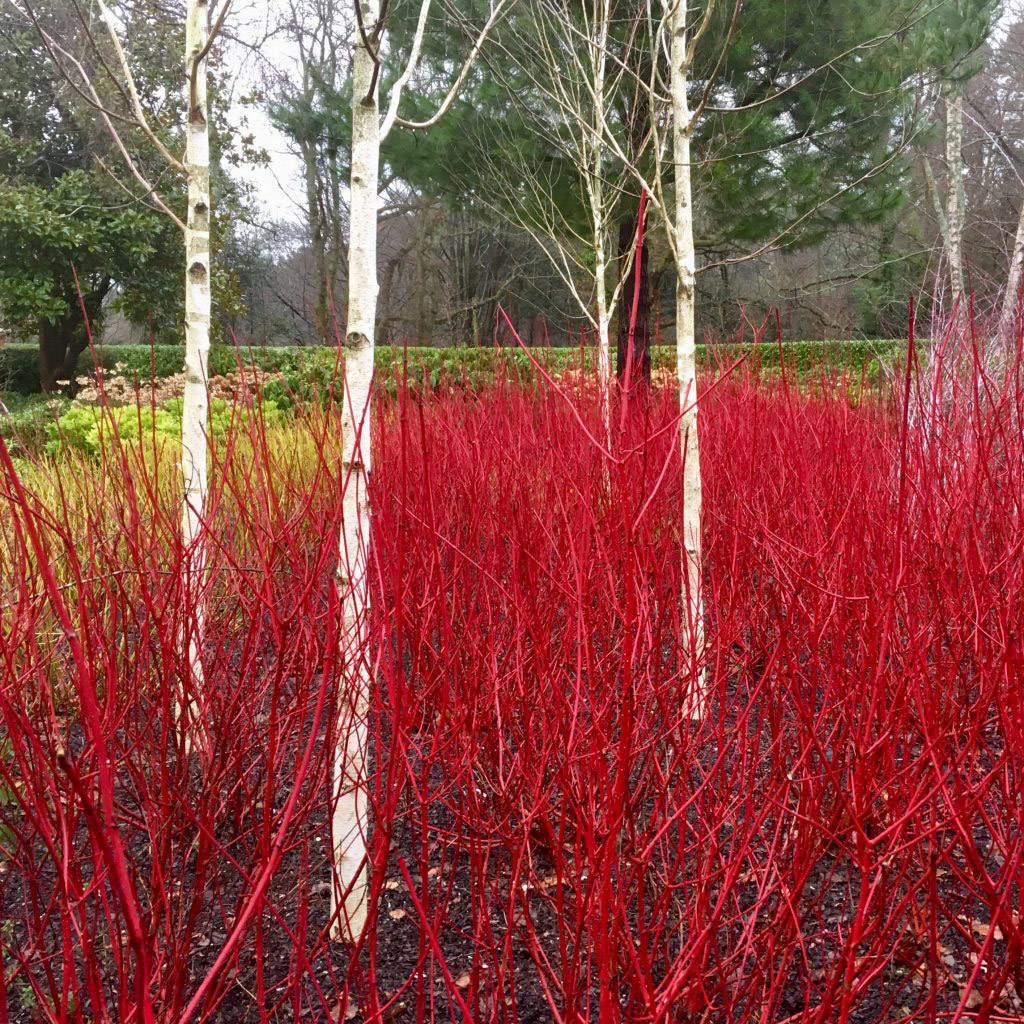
x: 195, y: 407
x: 954, y: 44
x: 558, y: 77
x: 680, y: 56
x: 1010, y: 311
x: 349, y: 898
x: 951, y: 212
x: 369, y: 129
x: 571, y: 69
x: 567, y: 54
x: 194, y: 167
x: 955, y: 198
x: 762, y: 94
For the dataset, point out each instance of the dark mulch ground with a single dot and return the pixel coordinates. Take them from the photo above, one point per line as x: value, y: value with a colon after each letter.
x: 411, y: 985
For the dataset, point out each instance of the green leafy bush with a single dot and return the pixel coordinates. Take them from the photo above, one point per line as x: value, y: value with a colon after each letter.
x: 314, y: 371
x: 19, y: 369
x: 23, y: 419
x: 87, y: 428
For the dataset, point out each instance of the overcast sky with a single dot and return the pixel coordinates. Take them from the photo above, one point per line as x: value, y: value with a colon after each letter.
x: 278, y: 186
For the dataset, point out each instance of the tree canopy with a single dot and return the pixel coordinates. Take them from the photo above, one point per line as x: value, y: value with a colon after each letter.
x: 68, y: 207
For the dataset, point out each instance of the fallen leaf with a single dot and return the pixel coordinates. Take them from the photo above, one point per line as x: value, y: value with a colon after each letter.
x: 397, y: 914
x: 463, y: 980
x: 345, y: 1011
x: 392, y: 1012
x: 392, y: 884
x: 982, y: 928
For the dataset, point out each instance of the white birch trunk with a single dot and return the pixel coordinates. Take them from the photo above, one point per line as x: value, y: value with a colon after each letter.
x: 197, y: 347
x: 940, y: 210
x: 599, y: 56
x: 604, y: 366
x: 686, y: 368
x: 349, y: 825
x: 955, y: 196
x: 1011, y: 300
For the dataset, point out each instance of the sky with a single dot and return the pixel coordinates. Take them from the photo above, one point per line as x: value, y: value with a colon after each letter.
x: 256, y: 51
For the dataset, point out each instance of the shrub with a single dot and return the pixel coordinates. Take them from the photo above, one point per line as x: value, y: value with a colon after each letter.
x: 23, y: 418
x: 19, y: 368
x: 313, y: 370
x: 91, y: 428
x: 555, y: 835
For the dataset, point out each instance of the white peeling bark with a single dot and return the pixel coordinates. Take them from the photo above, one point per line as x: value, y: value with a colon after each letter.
x: 604, y: 365
x: 599, y: 56
x: 686, y: 366
x: 1011, y: 300
x: 197, y: 342
x: 349, y: 825
x: 955, y: 197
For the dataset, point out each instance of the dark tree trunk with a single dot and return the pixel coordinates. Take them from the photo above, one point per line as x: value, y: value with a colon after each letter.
x: 637, y: 286
x: 62, y: 341
x: 640, y: 371
x: 59, y: 349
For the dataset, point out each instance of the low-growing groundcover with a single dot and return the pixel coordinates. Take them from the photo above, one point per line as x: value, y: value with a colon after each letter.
x: 23, y: 418
x: 554, y: 837
x: 121, y: 407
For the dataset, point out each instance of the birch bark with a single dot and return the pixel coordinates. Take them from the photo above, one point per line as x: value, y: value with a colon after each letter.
x: 686, y: 371
x: 197, y: 341
x: 955, y: 196
x: 599, y: 57
x: 349, y: 819
x: 1011, y: 300
x: 604, y: 372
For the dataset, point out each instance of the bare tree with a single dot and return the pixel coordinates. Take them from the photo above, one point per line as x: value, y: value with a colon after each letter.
x: 349, y: 892
x: 683, y: 45
x: 679, y: 100
x: 952, y: 212
x: 130, y: 115
x: 1012, y: 296
x: 577, y: 82
x: 306, y: 108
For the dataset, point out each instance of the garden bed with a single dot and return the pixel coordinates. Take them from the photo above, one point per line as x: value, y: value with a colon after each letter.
x: 556, y: 835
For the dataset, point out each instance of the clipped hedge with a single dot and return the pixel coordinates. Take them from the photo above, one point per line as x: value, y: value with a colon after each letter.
x: 23, y: 419
x: 19, y: 363
x: 19, y: 369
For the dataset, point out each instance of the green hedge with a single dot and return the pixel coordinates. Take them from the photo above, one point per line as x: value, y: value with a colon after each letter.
x: 19, y: 364
x: 19, y: 369
x: 24, y: 418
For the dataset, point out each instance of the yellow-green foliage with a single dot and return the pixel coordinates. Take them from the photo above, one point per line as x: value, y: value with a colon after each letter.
x: 118, y: 516
x: 87, y: 499
x: 91, y: 428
